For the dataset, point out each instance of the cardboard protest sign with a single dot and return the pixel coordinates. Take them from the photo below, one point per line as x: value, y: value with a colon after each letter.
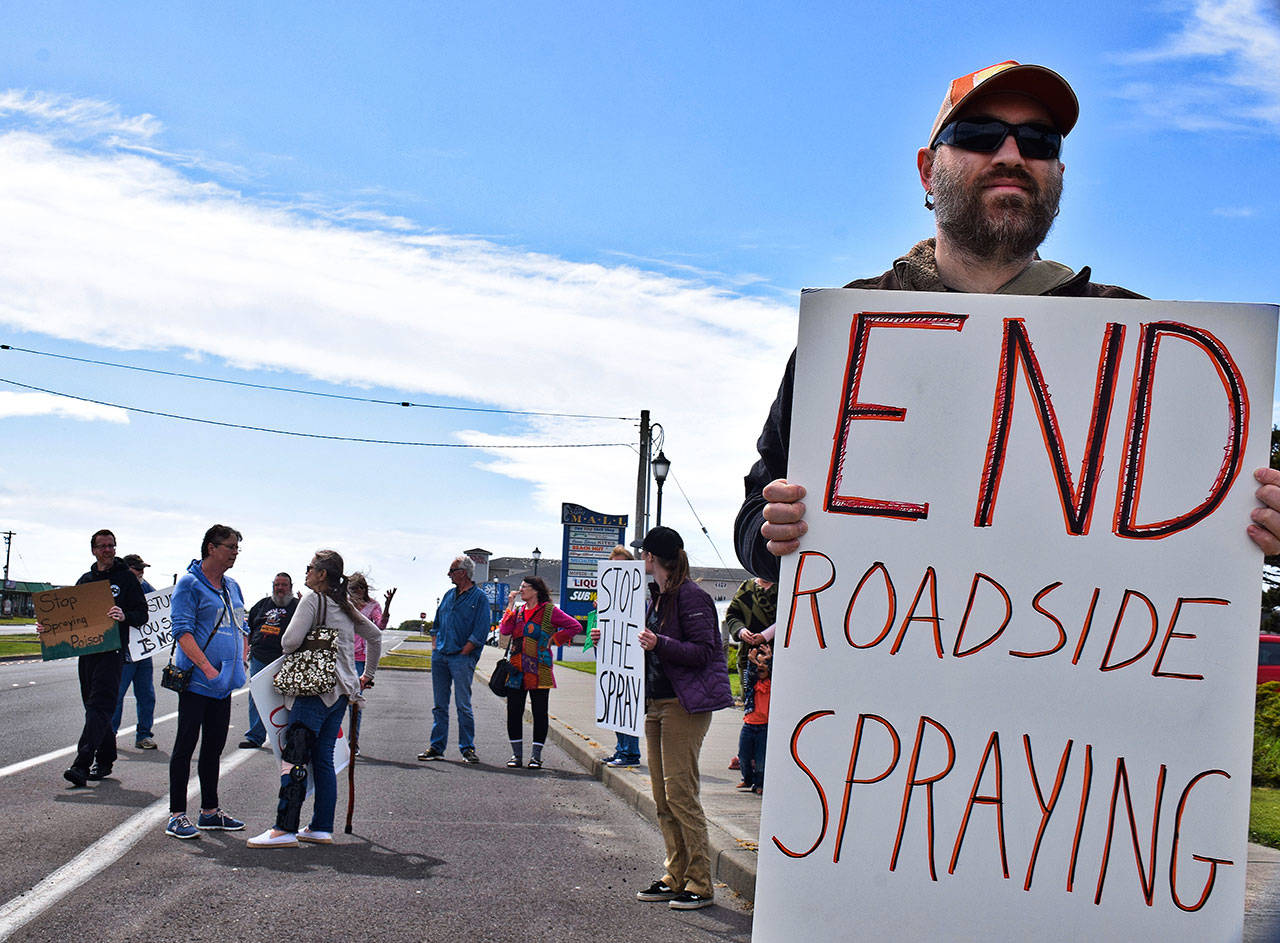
x: 275, y: 717
x: 157, y: 634
x: 1014, y: 675
x: 75, y: 621
x: 620, y: 597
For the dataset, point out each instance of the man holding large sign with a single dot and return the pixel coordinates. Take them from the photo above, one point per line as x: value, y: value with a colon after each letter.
x: 100, y: 672
x: 1005, y: 717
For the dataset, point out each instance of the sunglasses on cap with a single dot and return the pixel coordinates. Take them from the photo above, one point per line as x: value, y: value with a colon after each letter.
x: 985, y: 135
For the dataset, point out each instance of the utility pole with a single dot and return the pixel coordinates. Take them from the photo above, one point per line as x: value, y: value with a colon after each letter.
x: 642, y: 479
x: 4, y: 592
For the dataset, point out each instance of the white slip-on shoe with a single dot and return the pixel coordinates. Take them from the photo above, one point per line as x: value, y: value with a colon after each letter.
x: 267, y: 840
x: 316, y: 838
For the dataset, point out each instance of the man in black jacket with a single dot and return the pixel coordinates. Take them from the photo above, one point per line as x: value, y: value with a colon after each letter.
x: 100, y: 672
x: 268, y: 618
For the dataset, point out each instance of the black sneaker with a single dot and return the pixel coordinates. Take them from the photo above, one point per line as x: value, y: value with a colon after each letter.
x: 514, y: 763
x: 688, y: 900
x: 76, y: 776
x: 657, y: 891
x: 99, y: 771
x: 469, y: 756
x: 247, y: 744
x: 431, y: 753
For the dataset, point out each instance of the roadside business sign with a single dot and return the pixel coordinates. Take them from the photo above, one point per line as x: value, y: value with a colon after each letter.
x: 589, y: 537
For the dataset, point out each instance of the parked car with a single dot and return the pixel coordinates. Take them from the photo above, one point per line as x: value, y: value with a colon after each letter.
x: 1268, y: 658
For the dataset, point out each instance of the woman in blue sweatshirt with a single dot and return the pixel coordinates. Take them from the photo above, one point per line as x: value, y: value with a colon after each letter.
x: 208, y: 626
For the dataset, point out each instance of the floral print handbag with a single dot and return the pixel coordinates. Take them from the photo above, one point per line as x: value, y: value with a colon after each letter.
x: 312, y: 670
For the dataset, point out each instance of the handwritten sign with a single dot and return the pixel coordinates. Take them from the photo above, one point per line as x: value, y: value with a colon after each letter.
x: 157, y: 634
x: 275, y: 717
x: 75, y: 621
x: 619, y: 657
x: 1014, y: 682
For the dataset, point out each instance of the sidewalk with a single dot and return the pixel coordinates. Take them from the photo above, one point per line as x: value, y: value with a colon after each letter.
x: 733, y: 818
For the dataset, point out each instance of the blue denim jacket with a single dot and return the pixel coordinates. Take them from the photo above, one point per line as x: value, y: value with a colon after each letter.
x: 461, y: 618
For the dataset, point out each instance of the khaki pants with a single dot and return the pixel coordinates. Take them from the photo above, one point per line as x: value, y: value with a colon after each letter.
x: 675, y: 739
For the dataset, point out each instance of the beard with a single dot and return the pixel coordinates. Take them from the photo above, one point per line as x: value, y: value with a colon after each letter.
x: 282, y: 600
x: 1010, y: 227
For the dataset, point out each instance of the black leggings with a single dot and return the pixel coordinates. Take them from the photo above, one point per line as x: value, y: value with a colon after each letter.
x: 206, y: 719
x: 515, y: 714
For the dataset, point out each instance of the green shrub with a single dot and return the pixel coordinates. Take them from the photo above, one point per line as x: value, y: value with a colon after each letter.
x: 1266, y: 735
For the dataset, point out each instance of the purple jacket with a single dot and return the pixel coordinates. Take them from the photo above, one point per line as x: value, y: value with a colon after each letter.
x: 689, y: 646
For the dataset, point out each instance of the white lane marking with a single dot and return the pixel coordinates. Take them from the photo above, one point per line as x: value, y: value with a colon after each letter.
x: 68, y: 751
x: 107, y: 850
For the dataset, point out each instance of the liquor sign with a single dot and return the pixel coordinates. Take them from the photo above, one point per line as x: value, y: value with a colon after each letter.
x: 589, y: 537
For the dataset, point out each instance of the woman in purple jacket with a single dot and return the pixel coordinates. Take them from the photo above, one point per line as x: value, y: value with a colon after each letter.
x: 686, y: 678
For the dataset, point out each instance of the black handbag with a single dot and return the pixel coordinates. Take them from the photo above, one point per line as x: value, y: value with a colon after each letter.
x: 502, y: 672
x: 179, y: 679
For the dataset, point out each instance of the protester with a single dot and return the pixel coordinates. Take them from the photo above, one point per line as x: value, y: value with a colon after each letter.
x: 358, y: 590
x: 626, y: 752
x: 751, y: 614
x: 315, y: 720
x: 141, y: 674
x: 208, y: 626
x: 461, y: 626
x: 755, y: 719
x: 267, y: 620
x: 534, y: 627
x: 685, y: 680
x: 100, y: 672
x: 992, y: 176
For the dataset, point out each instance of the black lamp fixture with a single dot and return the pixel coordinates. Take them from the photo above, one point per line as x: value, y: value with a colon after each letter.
x: 661, y: 468
x: 537, y: 555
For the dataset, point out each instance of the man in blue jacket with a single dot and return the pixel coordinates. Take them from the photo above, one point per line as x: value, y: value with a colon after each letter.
x: 461, y: 626
x: 100, y: 672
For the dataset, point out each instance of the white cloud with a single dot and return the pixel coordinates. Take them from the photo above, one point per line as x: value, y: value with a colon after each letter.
x: 1235, y: 212
x: 76, y: 117
x: 1225, y: 74
x: 44, y: 404
x: 95, y: 237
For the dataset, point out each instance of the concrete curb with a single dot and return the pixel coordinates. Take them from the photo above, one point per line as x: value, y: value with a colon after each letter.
x: 733, y: 862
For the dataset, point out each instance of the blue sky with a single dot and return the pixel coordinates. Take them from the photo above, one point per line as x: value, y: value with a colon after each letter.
x: 573, y: 207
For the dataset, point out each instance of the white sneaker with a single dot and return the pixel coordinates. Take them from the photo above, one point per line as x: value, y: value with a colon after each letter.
x: 267, y: 840
x: 316, y: 838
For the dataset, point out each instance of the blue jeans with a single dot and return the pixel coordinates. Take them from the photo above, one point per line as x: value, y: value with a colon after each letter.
x: 257, y: 731
x: 140, y: 675
x: 751, y: 753
x: 454, y: 671
x: 628, y: 748
x: 324, y: 722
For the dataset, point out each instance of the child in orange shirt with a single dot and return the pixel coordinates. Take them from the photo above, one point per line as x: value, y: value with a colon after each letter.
x: 755, y: 722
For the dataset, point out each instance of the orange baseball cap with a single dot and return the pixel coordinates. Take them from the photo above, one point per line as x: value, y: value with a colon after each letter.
x: 1035, y: 81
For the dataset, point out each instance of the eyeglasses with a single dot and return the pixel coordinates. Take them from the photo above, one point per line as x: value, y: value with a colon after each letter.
x: 234, y: 548
x: 985, y: 135
x: 455, y: 569
x: 312, y: 566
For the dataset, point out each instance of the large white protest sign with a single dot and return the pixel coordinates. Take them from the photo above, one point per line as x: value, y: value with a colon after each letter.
x: 275, y: 717
x: 1014, y: 681
x: 157, y: 634
x: 620, y: 594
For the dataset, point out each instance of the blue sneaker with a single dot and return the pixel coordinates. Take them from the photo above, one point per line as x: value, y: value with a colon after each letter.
x: 622, y: 762
x: 217, y: 820
x: 180, y: 827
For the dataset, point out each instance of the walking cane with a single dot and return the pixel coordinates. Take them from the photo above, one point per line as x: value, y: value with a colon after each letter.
x: 351, y: 764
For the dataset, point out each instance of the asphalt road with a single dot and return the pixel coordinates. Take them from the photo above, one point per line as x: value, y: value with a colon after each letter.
x: 439, y: 850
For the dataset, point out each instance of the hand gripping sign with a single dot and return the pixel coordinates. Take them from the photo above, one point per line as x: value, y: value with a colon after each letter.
x: 1014, y: 674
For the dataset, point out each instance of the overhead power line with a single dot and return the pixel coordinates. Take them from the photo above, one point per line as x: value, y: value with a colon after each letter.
x: 314, y: 435
x: 300, y: 392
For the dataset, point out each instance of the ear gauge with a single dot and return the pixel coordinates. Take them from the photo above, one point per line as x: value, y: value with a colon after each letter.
x: 928, y: 199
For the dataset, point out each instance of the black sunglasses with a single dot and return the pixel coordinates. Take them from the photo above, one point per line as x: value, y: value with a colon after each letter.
x: 985, y: 135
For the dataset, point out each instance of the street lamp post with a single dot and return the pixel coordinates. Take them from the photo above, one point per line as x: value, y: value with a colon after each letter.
x: 661, y: 468
x: 537, y: 555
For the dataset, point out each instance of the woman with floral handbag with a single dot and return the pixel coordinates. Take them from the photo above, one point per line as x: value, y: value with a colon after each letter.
x: 324, y: 627
x: 534, y: 628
